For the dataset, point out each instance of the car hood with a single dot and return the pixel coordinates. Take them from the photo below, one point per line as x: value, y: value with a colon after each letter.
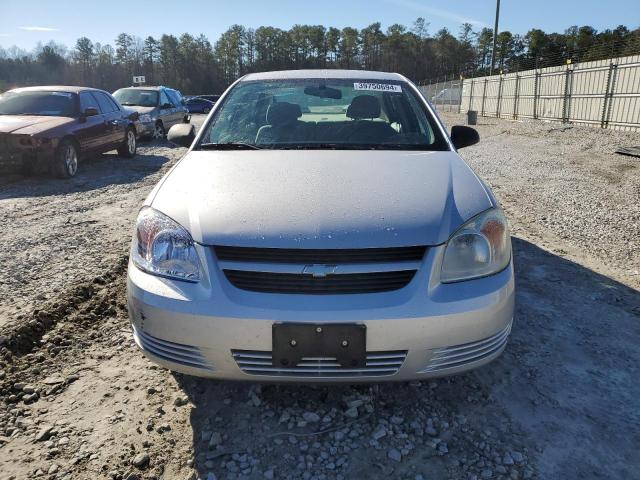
x: 30, y: 124
x: 321, y: 199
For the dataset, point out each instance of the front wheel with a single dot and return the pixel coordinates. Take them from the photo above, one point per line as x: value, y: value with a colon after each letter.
x: 158, y: 131
x: 206, y: 110
x: 129, y: 147
x: 66, y: 160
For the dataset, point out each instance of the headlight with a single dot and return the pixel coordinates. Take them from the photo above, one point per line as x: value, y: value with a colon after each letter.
x: 145, y: 118
x: 481, y: 247
x: 163, y: 247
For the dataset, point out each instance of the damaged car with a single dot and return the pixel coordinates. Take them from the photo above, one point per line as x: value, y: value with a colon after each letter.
x: 52, y: 128
x: 159, y: 107
x: 321, y: 228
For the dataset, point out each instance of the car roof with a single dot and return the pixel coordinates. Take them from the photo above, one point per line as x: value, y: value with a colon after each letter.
x: 56, y: 88
x: 326, y: 73
x: 150, y: 87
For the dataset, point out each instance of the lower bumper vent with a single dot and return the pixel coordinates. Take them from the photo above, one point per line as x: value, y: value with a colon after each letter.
x: 379, y: 364
x: 459, y: 355
x: 186, y: 355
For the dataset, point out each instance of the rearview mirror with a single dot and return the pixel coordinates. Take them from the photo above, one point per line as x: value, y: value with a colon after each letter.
x: 90, y: 112
x: 182, y: 134
x: 462, y: 136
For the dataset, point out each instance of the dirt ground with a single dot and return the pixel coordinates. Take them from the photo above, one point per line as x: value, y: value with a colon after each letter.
x: 78, y: 400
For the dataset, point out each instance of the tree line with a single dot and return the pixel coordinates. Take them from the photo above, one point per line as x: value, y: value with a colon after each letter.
x: 194, y: 65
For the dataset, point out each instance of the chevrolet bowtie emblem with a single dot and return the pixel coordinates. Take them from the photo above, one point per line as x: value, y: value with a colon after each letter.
x: 319, y: 271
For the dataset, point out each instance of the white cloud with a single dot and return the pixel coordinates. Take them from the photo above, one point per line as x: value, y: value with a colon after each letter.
x: 438, y: 12
x: 39, y: 29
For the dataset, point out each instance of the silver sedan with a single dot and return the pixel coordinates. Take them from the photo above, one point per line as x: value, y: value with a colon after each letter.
x: 321, y: 227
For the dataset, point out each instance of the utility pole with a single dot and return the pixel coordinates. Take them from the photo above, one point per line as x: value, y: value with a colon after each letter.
x: 495, y: 38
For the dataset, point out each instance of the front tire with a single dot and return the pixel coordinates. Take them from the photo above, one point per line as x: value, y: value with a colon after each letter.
x: 129, y: 147
x: 158, y: 131
x: 206, y: 110
x: 66, y: 160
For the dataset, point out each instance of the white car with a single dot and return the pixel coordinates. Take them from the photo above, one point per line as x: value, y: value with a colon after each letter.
x: 321, y: 227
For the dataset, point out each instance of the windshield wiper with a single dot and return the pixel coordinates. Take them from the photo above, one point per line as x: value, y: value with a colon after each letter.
x: 352, y: 146
x: 228, y: 146
x: 403, y: 146
x: 128, y: 104
x: 323, y: 146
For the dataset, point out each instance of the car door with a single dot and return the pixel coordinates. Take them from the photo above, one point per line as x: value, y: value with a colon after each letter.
x: 113, y: 119
x: 167, y: 110
x: 180, y: 109
x: 92, y: 128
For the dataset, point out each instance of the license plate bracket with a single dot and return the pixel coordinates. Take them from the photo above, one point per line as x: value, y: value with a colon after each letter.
x: 293, y: 341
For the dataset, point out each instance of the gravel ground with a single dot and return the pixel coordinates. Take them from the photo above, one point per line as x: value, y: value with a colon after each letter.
x: 57, y: 232
x: 79, y: 401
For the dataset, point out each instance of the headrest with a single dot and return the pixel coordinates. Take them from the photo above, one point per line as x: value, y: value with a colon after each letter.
x: 364, y: 106
x: 283, y: 113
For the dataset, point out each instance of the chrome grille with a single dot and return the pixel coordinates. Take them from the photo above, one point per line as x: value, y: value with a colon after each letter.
x: 273, y: 282
x: 187, y: 355
x: 379, y: 364
x: 459, y: 355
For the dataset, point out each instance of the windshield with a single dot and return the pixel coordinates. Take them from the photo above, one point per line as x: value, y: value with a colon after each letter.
x: 135, y: 97
x: 54, y: 104
x: 324, y: 113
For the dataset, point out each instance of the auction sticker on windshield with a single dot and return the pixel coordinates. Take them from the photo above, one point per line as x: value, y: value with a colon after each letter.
x: 377, y: 87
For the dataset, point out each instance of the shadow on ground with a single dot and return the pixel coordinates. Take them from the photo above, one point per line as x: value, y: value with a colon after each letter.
x: 562, y: 401
x: 93, y: 173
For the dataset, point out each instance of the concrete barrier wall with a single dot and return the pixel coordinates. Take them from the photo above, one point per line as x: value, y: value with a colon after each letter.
x: 604, y: 93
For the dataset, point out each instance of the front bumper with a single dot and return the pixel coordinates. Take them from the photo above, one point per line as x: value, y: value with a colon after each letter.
x: 426, y: 329
x: 14, y: 155
x: 145, y: 129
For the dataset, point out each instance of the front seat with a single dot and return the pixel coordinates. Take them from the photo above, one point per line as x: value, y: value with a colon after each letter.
x: 363, y: 110
x: 282, y: 124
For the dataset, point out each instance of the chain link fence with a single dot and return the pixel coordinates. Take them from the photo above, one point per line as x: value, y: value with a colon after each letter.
x: 446, y: 95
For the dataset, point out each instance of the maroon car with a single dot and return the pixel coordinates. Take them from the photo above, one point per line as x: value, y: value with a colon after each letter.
x: 53, y: 127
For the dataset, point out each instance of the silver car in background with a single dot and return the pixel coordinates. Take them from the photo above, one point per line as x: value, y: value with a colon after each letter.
x: 321, y: 227
x: 159, y: 108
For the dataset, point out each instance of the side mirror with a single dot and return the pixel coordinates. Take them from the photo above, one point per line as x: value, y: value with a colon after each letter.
x: 182, y: 134
x: 166, y: 105
x: 88, y: 112
x: 462, y: 136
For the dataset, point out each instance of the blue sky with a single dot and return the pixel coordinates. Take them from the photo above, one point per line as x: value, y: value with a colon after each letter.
x: 25, y: 22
